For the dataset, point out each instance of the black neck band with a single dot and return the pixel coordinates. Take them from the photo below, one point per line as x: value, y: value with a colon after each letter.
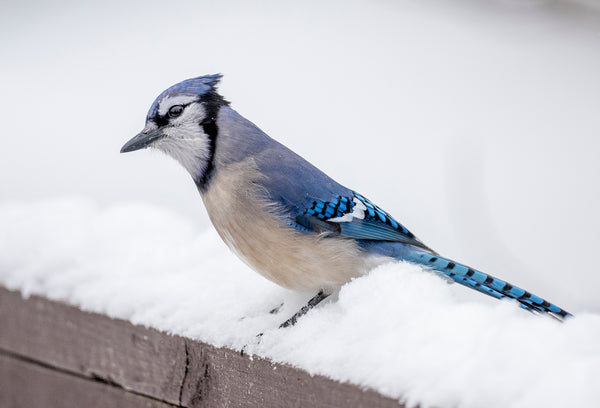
x: 212, y: 103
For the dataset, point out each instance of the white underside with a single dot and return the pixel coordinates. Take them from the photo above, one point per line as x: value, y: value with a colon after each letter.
x: 252, y: 229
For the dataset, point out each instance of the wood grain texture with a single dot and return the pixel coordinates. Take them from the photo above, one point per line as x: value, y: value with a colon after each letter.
x: 166, y: 368
x: 93, y: 345
x: 216, y: 373
x: 26, y: 385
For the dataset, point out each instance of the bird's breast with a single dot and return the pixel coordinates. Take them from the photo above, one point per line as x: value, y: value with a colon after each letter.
x: 256, y: 231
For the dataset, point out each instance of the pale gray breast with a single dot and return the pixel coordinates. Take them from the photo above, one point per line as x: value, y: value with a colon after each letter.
x: 254, y: 230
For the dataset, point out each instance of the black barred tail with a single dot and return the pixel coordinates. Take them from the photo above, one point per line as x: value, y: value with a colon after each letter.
x: 487, y: 284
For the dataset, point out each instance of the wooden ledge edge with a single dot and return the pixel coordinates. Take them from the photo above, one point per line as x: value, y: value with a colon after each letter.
x: 142, y: 361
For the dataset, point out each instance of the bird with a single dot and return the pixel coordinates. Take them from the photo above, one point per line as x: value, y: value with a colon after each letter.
x: 283, y: 216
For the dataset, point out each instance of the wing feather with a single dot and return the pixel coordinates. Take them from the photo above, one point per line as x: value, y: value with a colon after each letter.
x: 354, y: 217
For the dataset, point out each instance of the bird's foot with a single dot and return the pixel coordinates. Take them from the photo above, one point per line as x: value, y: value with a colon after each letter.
x: 318, y: 298
x: 276, y: 309
x: 256, y: 342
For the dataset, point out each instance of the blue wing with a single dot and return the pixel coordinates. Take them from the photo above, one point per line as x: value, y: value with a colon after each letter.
x: 354, y: 217
x: 312, y: 202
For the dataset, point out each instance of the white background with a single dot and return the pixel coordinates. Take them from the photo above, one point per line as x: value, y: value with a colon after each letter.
x: 474, y: 123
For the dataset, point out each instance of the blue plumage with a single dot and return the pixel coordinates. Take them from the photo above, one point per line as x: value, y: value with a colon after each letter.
x: 352, y: 216
x: 338, y: 207
x: 193, y: 87
x: 292, y: 223
x: 485, y: 283
x: 374, y: 224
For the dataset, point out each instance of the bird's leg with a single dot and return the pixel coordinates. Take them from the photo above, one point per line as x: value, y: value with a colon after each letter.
x: 318, y: 298
x: 276, y: 309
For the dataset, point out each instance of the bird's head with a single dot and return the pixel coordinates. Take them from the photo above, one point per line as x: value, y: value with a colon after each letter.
x: 182, y: 123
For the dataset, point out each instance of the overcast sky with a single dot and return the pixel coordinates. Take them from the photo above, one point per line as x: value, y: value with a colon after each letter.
x: 476, y: 124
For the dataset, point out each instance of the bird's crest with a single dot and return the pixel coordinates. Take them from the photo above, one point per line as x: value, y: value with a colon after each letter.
x: 198, y: 86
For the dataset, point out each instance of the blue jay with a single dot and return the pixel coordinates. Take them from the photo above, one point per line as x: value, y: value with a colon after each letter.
x: 280, y: 214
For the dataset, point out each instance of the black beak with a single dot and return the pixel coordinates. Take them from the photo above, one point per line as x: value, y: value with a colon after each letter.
x: 142, y: 140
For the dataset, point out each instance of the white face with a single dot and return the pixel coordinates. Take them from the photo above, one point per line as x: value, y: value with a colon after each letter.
x: 184, y: 138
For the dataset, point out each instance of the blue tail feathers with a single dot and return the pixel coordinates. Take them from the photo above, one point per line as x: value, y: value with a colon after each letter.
x: 485, y: 283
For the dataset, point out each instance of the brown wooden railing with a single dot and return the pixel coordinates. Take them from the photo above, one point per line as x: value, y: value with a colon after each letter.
x: 55, y: 355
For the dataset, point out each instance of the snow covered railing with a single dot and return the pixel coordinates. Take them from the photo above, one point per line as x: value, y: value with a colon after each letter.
x: 55, y: 355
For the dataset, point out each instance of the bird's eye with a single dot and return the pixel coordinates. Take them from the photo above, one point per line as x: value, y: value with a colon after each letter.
x: 175, y: 111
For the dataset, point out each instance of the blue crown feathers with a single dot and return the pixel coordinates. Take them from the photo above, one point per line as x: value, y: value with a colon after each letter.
x: 198, y: 86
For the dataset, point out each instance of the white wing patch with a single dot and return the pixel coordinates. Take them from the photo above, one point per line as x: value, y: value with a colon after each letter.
x: 358, y: 211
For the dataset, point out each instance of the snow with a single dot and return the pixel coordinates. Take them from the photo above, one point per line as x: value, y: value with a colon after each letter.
x: 474, y: 123
x: 399, y: 330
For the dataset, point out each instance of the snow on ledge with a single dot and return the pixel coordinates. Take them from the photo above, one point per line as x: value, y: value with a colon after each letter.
x: 398, y: 330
